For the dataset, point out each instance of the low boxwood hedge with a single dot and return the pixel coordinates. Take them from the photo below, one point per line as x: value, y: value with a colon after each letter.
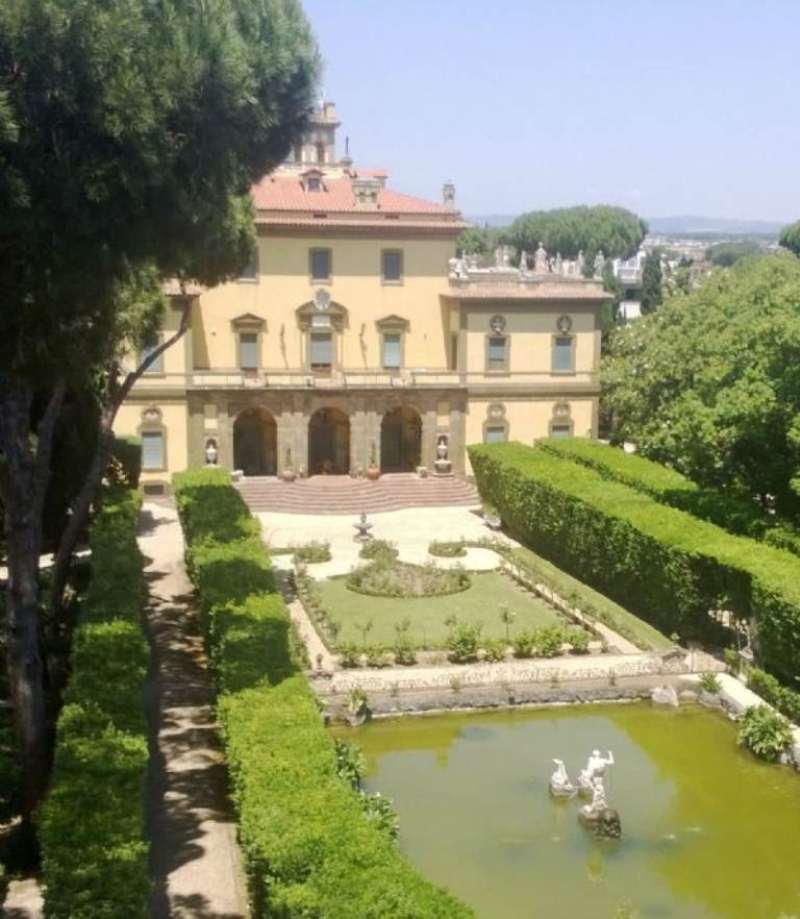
x: 309, y: 849
x: 665, y: 565
x: 91, y: 826
x: 735, y: 514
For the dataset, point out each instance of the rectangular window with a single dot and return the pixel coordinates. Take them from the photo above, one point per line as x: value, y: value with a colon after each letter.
x: 153, y: 450
x: 320, y: 264
x: 562, y: 353
x: 248, y: 350
x: 497, y: 353
x: 454, y: 351
x: 151, y: 343
x: 321, y: 350
x: 392, y: 350
x: 494, y: 434
x: 561, y: 429
x: 250, y: 271
x: 392, y: 265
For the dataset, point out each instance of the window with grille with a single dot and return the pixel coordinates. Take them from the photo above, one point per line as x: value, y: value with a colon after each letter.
x: 563, y: 353
x: 392, y: 350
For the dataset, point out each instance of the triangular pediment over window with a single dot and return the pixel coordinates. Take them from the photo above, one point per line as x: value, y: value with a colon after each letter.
x: 322, y: 306
x: 392, y: 321
x: 247, y: 319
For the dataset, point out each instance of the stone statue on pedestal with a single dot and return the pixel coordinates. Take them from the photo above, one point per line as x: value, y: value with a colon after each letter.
x: 540, y: 260
x: 560, y: 784
x: 599, y: 265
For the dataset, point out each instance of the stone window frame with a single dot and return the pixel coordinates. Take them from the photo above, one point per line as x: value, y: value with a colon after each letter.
x: 495, y: 418
x: 311, y: 252
x: 248, y: 323
x: 393, y: 325
x: 159, y: 364
x: 505, y: 369
x: 573, y: 347
x: 561, y: 416
x: 154, y: 426
x: 392, y: 282
x: 338, y: 320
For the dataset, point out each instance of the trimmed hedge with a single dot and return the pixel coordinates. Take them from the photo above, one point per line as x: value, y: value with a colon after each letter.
x: 91, y: 826
x: 309, y: 849
x: 665, y: 565
x: 737, y: 515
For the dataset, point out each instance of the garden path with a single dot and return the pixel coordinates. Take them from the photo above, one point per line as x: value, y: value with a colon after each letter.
x: 196, y: 863
x: 24, y: 900
x: 412, y: 530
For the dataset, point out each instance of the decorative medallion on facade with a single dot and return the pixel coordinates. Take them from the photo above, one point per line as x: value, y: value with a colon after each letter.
x: 497, y: 324
x: 564, y: 324
x: 561, y: 410
x: 151, y: 414
x: 496, y: 410
x: 322, y: 299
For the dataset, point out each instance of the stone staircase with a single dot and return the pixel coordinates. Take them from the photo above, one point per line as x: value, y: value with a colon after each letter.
x: 343, y: 495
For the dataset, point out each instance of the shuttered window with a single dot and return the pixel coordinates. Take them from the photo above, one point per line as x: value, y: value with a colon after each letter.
x: 497, y: 353
x: 392, y: 265
x: 562, y: 353
x: 321, y: 350
x: 320, y: 264
x: 151, y: 343
x: 561, y: 429
x: 248, y: 350
x: 153, y: 450
x: 392, y: 350
x: 494, y: 433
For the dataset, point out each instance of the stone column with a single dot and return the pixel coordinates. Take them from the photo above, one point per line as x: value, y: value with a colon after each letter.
x: 429, y: 437
x: 195, y: 448
x: 226, y: 416
x: 458, y: 435
x: 360, y: 435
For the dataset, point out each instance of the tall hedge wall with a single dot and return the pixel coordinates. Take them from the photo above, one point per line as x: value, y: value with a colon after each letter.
x: 659, y: 562
x: 308, y: 847
x: 737, y: 515
x: 91, y: 826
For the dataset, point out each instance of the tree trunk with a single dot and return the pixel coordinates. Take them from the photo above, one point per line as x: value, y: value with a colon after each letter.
x: 25, y: 479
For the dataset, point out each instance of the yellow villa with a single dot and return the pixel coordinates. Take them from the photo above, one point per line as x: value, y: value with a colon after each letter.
x: 358, y: 341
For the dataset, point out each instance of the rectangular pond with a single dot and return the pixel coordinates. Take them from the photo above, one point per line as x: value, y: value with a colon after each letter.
x: 709, y: 832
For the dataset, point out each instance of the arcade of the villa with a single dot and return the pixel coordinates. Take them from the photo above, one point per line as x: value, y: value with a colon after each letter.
x: 267, y: 433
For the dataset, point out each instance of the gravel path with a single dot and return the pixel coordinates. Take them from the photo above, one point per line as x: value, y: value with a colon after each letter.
x: 195, y: 858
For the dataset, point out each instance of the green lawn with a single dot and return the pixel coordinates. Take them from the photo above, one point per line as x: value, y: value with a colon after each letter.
x: 592, y: 602
x: 480, y: 603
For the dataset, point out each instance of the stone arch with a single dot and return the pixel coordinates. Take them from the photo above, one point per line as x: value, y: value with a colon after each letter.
x: 329, y: 442
x: 401, y: 440
x: 255, y: 442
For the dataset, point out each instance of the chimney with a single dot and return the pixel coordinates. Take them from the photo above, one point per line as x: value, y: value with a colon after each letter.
x: 449, y: 195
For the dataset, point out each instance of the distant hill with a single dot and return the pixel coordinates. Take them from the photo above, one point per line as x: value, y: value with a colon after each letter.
x: 712, y: 227
x: 705, y: 226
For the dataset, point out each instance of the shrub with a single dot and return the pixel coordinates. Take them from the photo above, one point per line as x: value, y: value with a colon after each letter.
x: 765, y: 733
x: 663, y: 564
x: 378, y: 549
x: 313, y: 552
x: 310, y: 849
x: 125, y: 462
x: 549, y: 640
x: 349, y: 655
x: 524, y: 644
x: 404, y: 652
x: 578, y: 640
x: 709, y: 682
x: 463, y: 642
x: 91, y: 826
x: 736, y: 514
x: 784, y: 699
x: 495, y: 649
x: 447, y: 549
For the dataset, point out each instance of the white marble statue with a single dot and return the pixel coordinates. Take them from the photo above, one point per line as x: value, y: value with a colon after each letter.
x: 580, y: 264
x: 599, y: 265
x: 560, y: 784
x: 540, y: 260
x: 559, y: 264
x: 598, y: 803
x: 523, y: 261
x: 595, y: 768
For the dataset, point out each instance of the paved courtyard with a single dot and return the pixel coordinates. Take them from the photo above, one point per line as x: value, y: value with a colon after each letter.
x: 411, y: 530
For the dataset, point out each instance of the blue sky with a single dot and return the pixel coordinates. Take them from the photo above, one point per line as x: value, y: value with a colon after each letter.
x: 679, y: 107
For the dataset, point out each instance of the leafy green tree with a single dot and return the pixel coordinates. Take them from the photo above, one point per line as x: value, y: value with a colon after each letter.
x: 130, y: 135
x: 790, y: 238
x: 726, y: 254
x: 652, y: 280
x: 614, y: 230
x: 710, y: 383
x: 478, y: 241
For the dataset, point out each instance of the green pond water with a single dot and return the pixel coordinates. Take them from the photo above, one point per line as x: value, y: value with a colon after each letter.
x: 708, y: 831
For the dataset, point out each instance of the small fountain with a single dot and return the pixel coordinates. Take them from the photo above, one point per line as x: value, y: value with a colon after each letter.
x: 363, y: 527
x: 596, y: 816
x: 595, y: 767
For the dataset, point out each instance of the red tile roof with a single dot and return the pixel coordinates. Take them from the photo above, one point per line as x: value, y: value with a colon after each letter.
x: 286, y: 193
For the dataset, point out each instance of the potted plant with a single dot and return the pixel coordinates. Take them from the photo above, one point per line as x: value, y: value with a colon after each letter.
x: 288, y: 474
x: 373, y: 470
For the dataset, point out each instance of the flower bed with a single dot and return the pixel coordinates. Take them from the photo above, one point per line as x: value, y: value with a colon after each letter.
x: 397, y: 579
